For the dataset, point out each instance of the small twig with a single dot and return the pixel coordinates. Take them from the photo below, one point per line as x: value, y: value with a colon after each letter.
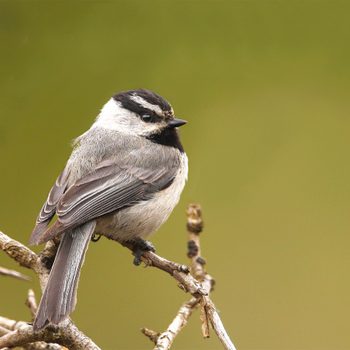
x: 11, y: 324
x: 165, y: 339
x: 31, y: 303
x: 204, y: 320
x: 13, y: 273
x: 194, y: 228
x: 150, y: 334
x: 217, y: 325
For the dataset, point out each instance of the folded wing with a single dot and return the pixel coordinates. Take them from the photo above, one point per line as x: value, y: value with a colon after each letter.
x: 109, y: 188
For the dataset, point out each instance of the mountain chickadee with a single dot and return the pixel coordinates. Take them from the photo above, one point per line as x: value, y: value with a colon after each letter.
x: 122, y: 180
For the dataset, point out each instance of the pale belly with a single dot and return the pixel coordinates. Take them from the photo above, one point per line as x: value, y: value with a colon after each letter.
x: 144, y: 218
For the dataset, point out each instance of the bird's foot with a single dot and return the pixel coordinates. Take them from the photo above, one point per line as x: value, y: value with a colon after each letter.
x: 140, y: 246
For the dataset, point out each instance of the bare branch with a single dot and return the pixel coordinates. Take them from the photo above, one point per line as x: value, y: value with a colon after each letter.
x: 198, y: 283
x: 20, y: 337
x: 178, y: 271
x: 66, y: 334
x: 12, y: 273
x: 17, y: 251
x: 21, y: 333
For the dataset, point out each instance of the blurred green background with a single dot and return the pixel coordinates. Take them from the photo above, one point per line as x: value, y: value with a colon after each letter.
x: 265, y: 87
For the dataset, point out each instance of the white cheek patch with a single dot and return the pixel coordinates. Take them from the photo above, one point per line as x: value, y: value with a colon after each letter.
x: 114, y: 117
x: 146, y: 104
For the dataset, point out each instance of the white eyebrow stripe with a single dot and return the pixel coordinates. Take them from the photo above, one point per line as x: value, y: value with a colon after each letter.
x: 145, y: 104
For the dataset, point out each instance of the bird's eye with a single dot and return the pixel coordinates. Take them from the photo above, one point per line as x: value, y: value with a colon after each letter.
x: 146, y: 117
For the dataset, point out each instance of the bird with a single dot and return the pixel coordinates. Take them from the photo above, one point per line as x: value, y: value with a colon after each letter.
x: 122, y: 180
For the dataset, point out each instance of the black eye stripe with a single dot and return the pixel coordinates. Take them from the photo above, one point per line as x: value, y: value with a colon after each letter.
x: 131, y: 105
x: 151, y: 118
x: 128, y: 103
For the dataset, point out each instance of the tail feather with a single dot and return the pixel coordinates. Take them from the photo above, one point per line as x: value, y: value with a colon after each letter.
x: 59, y: 297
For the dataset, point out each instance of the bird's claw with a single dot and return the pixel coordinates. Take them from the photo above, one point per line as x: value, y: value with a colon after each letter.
x: 141, y: 246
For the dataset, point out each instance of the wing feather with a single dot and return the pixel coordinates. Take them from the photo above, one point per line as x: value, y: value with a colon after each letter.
x: 109, y: 188
x: 48, y: 210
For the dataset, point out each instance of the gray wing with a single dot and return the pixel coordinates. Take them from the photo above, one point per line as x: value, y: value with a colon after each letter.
x: 109, y: 188
x: 49, y: 208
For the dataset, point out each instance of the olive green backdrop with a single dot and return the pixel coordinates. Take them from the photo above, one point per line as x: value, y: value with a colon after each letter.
x: 265, y: 88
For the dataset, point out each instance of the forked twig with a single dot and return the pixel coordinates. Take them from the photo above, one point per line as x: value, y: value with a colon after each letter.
x: 204, y: 282
x: 21, y: 333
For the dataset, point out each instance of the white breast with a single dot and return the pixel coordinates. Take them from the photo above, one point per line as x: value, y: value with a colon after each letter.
x: 146, y: 217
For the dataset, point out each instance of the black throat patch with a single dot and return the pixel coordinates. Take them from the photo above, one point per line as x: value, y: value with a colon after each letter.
x: 168, y: 137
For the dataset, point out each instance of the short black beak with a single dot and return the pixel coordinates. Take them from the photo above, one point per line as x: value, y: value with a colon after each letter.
x: 175, y: 123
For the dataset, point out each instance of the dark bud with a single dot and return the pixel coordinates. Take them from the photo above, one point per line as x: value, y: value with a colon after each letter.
x: 201, y: 261
x: 192, y: 249
x: 195, y: 226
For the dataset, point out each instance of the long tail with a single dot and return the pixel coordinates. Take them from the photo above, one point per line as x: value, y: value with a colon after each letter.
x: 59, y: 298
